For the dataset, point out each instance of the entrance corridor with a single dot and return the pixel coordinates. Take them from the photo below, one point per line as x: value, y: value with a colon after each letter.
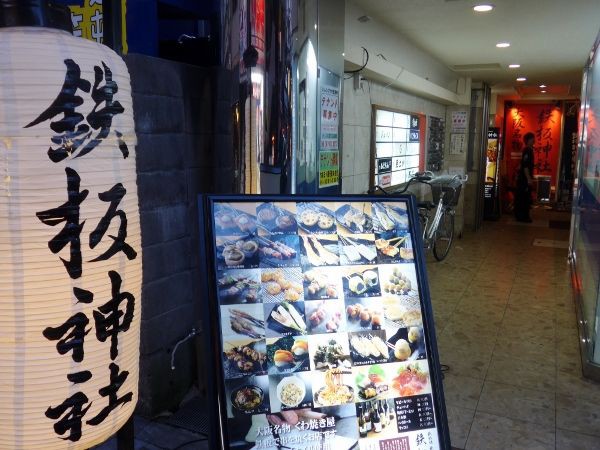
x: 506, y: 326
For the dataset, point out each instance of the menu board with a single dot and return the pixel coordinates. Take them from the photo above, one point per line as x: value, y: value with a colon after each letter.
x: 397, y: 147
x: 322, y: 332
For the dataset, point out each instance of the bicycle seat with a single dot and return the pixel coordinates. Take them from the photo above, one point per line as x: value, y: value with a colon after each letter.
x: 426, y: 205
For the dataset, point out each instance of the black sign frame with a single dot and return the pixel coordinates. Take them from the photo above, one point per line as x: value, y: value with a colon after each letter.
x: 216, y: 391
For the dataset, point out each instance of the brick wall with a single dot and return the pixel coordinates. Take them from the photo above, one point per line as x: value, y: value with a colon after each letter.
x: 184, y: 147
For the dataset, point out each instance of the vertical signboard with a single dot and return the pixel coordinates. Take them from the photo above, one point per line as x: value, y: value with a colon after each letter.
x: 491, y: 172
x: 329, y: 119
x: 323, y: 323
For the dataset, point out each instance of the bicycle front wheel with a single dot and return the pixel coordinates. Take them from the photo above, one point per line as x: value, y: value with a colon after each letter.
x: 444, y: 236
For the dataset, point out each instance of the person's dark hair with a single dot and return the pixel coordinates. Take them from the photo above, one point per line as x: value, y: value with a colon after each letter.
x: 527, y: 137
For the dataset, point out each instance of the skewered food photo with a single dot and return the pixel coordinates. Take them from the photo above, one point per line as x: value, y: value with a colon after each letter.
x: 357, y: 249
x: 244, y: 357
x: 407, y: 344
x: 396, y: 249
x: 242, y: 320
x: 319, y: 250
x: 239, y: 286
x: 278, y: 250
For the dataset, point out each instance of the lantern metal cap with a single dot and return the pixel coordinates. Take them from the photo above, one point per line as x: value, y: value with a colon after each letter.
x: 34, y: 13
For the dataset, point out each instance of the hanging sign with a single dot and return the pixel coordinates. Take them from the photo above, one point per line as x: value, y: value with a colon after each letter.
x: 323, y: 324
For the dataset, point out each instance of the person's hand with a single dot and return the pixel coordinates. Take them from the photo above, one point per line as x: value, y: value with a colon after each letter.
x: 293, y: 417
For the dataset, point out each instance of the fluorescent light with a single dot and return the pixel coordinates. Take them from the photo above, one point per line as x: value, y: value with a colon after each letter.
x: 543, y: 92
x: 543, y: 86
x: 503, y: 44
x: 514, y: 66
x: 483, y: 8
x: 521, y: 79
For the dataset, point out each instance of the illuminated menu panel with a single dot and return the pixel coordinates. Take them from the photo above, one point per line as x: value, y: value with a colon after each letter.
x: 397, y: 147
x: 322, y: 327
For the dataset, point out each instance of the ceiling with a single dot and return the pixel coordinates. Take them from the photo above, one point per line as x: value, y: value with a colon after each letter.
x: 551, y: 39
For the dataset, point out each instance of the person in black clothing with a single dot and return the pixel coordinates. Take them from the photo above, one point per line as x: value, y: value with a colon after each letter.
x: 525, y: 181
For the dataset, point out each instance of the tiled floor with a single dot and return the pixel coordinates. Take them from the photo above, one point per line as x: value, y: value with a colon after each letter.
x: 506, y: 326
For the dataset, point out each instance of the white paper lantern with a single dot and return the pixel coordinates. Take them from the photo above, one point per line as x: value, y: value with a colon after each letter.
x: 69, y: 325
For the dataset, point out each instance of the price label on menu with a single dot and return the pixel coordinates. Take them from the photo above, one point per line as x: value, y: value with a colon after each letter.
x: 324, y: 338
x: 415, y: 413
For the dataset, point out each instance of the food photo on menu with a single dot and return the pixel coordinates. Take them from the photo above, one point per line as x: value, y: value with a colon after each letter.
x: 389, y: 217
x: 396, y: 249
x: 329, y: 352
x: 325, y: 316
x: 287, y: 355
x: 322, y: 283
x: 277, y: 218
x: 357, y: 249
x: 400, y: 295
x: 237, y: 252
x: 361, y: 281
x: 354, y: 217
x: 285, y: 319
x: 243, y: 357
x: 316, y: 218
x: 290, y: 391
x: 327, y: 428
x: 280, y: 250
x: 333, y: 387
x: 364, y: 314
x: 371, y: 382
x: 319, y: 250
x: 283, y: 284
x: 235, y: 219
x: 409, y: 378
x: 247, y: 395
x: 242, y: 320
x: 237, y: 286
x: 368, y: 347
x: 406, y: 344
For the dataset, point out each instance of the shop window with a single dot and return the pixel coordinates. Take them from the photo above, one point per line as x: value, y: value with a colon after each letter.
x: 397, y: 149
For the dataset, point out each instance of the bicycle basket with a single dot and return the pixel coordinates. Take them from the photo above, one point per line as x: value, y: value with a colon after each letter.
x: 446, y: 188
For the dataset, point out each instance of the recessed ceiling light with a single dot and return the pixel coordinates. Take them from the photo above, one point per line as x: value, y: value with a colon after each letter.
x: 503, y: 44
x: 514, y: 66
x: 543, y: 86
x: 521, y: 79
x: 483, y: 8
x: 543, y: 92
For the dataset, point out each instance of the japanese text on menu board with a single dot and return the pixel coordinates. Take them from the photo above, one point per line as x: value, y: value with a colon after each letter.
x: 321, y: 326
x: 397, y: 147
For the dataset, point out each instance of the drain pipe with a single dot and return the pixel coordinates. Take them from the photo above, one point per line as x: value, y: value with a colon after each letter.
x: 194, y: 332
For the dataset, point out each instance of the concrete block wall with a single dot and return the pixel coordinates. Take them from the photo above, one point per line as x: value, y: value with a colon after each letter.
x: 184, y: 148
x: 357, y: 111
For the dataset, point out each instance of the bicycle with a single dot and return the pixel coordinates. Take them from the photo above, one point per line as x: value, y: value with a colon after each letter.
x: 438, y: 231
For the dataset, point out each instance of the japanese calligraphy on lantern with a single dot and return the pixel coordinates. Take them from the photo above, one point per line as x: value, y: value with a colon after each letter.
x: 75, y: 218
x: 544, y: 121
x: 329, y: 107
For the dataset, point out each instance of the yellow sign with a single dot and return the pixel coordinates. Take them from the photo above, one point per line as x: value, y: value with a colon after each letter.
x: 88, y: 21
x: 329, y: 168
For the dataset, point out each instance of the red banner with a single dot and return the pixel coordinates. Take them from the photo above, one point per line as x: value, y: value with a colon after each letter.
x: 544, y: 121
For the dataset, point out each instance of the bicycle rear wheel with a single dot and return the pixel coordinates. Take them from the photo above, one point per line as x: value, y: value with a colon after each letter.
x: 444, y: 236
